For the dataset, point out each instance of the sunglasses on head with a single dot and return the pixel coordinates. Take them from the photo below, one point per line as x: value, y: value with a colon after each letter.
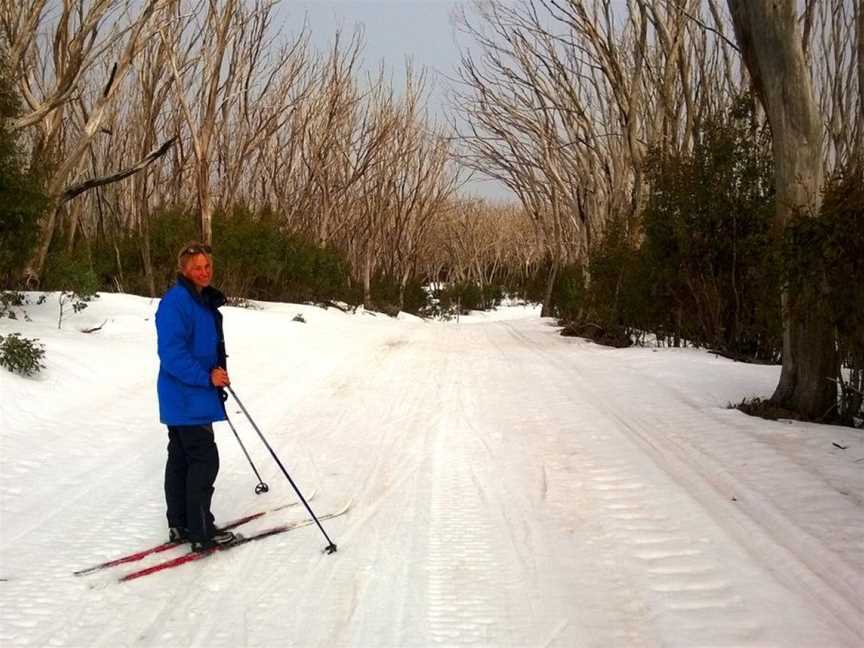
x: 197, y: 249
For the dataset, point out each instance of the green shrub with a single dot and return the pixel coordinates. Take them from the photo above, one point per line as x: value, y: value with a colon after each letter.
x: 707, y: 251
x: 822, y: 266
x: 22, y: 196
x: 71, y: 272
x: 12, y: 303
x: 705, y: 268
x: 569, y: 294
x: 21, y: 355
x: 390, y: 298
x: 313, y: 273
x: 254, y: 257
x: 73, y: 277
x: 171, y: 227
x: 416, y: 298
x: 249, y: 251
x: 467, y: 296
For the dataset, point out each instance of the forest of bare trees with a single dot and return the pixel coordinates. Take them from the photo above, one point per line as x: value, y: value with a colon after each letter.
x: 569, y: 102
x: 134, y: 106
x: 134, y: 116
x: 562, y: 99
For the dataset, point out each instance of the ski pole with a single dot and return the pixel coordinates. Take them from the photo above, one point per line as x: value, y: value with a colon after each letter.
x: 262, y: 487
x: 331, y: 547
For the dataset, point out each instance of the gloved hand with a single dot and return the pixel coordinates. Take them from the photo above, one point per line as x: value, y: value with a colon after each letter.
x: 219, y: 377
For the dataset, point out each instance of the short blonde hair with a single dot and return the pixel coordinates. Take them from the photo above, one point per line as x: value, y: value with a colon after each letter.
x: 191, y: 249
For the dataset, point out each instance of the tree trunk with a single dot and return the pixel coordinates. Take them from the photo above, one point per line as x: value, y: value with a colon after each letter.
x: 144, y: 231
x: 403, y: 283
x: 367, y: 278
x: 33, y: 271
x: 859, y: 37
x: 546, y: 310
x: 770, y: 44
x: 205, y: 201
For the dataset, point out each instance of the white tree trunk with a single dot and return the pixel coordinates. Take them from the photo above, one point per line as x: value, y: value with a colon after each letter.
x: 771, y: 46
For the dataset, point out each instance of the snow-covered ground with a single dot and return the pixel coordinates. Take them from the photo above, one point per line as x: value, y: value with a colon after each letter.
x: 509, y: 487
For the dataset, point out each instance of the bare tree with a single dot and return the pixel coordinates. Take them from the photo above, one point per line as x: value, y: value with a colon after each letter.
x: 858, y: 115
x: 200, y: 58
x: 558, y: 117
x: 834, y: 64
x: 46, y: 83
x: 128, y: 41
x: 146, y: 119
x: 771, y: 46
x: 272, y: 81
x: 422, y: 184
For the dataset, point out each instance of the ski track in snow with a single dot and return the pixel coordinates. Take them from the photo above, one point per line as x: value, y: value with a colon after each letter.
x: 509, y: 488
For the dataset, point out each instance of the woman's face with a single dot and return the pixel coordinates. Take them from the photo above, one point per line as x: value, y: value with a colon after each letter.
x: 199, y: 270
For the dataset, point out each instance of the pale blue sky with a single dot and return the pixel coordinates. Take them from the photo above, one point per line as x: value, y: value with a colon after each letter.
x: 394, y: 29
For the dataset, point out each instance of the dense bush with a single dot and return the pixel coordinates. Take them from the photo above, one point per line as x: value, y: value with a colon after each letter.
x: 709, y: 267
x: 467, y: 296
x: 707, y: 250
x: 389, y: 297
x: 22, y: 199
x: 823, y: 267
x: 250, y: 253
x: 254, y: 257
x: 21, y: 355
x: 705, y: 267
x: 12, y: 304
x: 313, y: 273
x: 72, y: 272
x: 569, y: 294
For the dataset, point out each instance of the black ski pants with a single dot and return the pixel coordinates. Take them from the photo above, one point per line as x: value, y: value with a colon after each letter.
x: 193, y: 463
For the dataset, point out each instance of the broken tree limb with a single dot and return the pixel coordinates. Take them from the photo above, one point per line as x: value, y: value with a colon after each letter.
x: 92, y: 183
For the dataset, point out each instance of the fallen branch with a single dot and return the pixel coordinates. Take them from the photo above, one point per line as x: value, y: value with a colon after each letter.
x: 94, y: 329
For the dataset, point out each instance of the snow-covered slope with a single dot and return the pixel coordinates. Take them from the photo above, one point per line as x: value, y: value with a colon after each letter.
x: 509, y: 487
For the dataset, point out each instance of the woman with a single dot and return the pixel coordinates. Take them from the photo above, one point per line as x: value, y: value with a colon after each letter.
x: 192, y: 374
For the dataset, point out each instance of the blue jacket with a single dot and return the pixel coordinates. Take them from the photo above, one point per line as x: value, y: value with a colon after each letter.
x: 190, y: 345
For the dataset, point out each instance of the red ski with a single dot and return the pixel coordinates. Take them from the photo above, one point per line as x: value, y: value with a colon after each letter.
x: 139, y: 555
x: 193, y: 556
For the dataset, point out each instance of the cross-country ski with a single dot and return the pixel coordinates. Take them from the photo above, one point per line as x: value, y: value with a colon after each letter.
x: 165, y: 546
x: 192, y: 556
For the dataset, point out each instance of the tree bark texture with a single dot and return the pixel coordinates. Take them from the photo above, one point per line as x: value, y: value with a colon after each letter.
x: 771, y: 47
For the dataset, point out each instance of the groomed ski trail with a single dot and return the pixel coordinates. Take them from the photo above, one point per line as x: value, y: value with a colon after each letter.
x: 510, y: 488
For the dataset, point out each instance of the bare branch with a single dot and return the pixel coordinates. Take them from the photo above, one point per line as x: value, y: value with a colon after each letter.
x: 79, y: 188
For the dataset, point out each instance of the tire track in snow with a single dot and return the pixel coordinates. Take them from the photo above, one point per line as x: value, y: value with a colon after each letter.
x: 465, y: 602
x: 798, y: 559
x: 822, y: 508
x: 821, y: 561
x: 503, y: 576
x: 680, y: 579
x: 682, y: 587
